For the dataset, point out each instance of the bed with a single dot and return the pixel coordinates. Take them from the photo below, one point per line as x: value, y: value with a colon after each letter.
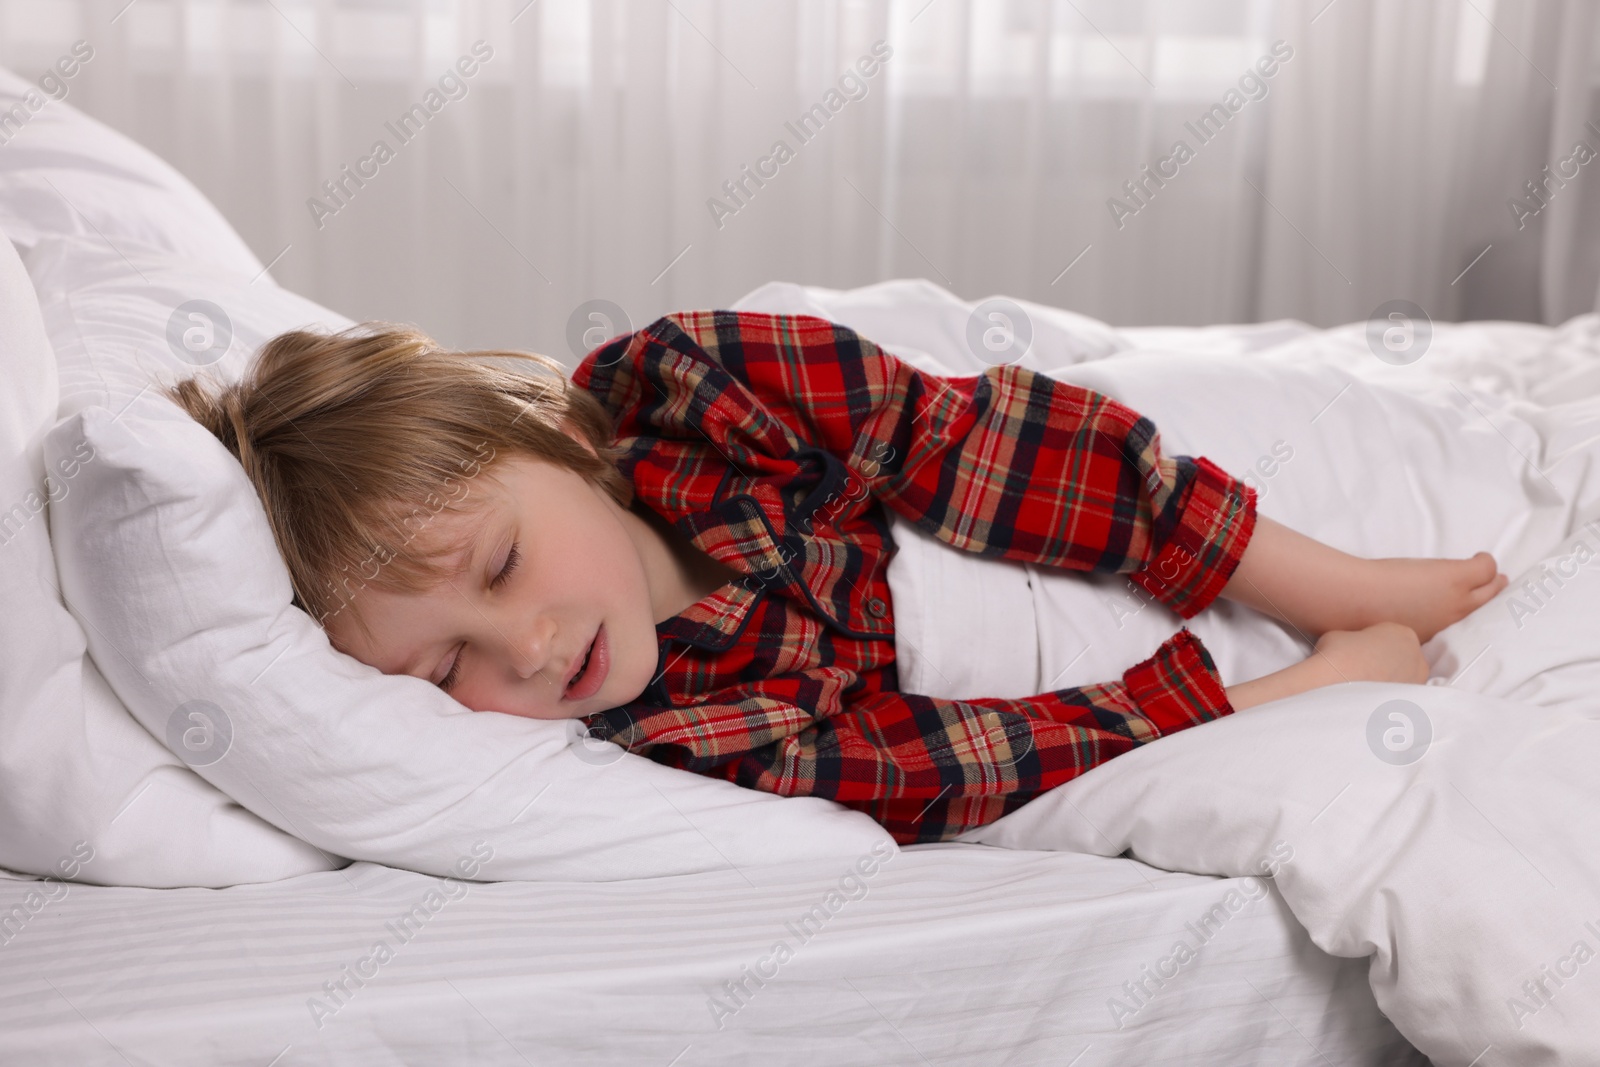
x: 232, y: 933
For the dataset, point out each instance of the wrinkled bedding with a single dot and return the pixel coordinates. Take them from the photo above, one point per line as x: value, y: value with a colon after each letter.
x: 1448, y: 834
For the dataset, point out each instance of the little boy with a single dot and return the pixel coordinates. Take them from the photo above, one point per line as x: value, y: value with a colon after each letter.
x: 722, y: 606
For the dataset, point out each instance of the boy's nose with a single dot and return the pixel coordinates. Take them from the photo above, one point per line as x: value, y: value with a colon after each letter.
x: 532, y: 650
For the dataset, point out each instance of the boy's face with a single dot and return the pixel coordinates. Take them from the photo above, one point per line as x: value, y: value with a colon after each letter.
x: 579, y: 576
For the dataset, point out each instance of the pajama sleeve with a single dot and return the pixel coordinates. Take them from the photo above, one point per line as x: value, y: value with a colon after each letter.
x: 1018, y: 465
x: 927, y: 769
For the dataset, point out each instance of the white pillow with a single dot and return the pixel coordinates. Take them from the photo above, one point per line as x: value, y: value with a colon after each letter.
x: 84, y: 790
x: 64, y: 174
x: 121, y: 319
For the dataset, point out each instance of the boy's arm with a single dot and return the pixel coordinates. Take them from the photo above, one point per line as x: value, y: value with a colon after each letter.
x: 1009, y: 463
x: 928, y: 769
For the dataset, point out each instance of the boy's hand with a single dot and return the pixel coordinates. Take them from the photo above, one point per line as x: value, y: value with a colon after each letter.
x: 1385, y: 652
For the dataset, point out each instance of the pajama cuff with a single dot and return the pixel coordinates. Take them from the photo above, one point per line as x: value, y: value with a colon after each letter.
x: 1178, y: 687
x: 1218, y: 518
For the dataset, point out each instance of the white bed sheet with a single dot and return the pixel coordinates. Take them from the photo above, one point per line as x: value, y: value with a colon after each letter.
x: 955, y: 954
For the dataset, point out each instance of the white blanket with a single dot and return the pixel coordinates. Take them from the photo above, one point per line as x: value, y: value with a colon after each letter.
x: 1451, y: 832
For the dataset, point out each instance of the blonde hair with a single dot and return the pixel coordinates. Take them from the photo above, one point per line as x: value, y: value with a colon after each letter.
x: 355, y: 440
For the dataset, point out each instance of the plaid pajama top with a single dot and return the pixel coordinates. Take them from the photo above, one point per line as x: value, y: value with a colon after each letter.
x: 775, y: 443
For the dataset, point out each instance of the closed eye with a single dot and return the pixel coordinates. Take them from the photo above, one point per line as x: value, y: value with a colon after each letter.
x: 512, y: 559
x: 450, y: 679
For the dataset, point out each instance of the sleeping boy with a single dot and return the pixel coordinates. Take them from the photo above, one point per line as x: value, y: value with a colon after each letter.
x: 685, y: 546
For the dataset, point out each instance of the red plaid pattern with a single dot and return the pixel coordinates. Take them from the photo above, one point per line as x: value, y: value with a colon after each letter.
x: 775, y: 443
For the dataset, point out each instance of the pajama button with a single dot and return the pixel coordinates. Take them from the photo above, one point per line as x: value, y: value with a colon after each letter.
x: 877, y: 608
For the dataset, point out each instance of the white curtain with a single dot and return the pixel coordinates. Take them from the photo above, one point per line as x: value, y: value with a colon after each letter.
x: 1388, y: 156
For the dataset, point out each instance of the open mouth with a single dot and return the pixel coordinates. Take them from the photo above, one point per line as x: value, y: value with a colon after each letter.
x: 591, y: 673
x: 582, y: 670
